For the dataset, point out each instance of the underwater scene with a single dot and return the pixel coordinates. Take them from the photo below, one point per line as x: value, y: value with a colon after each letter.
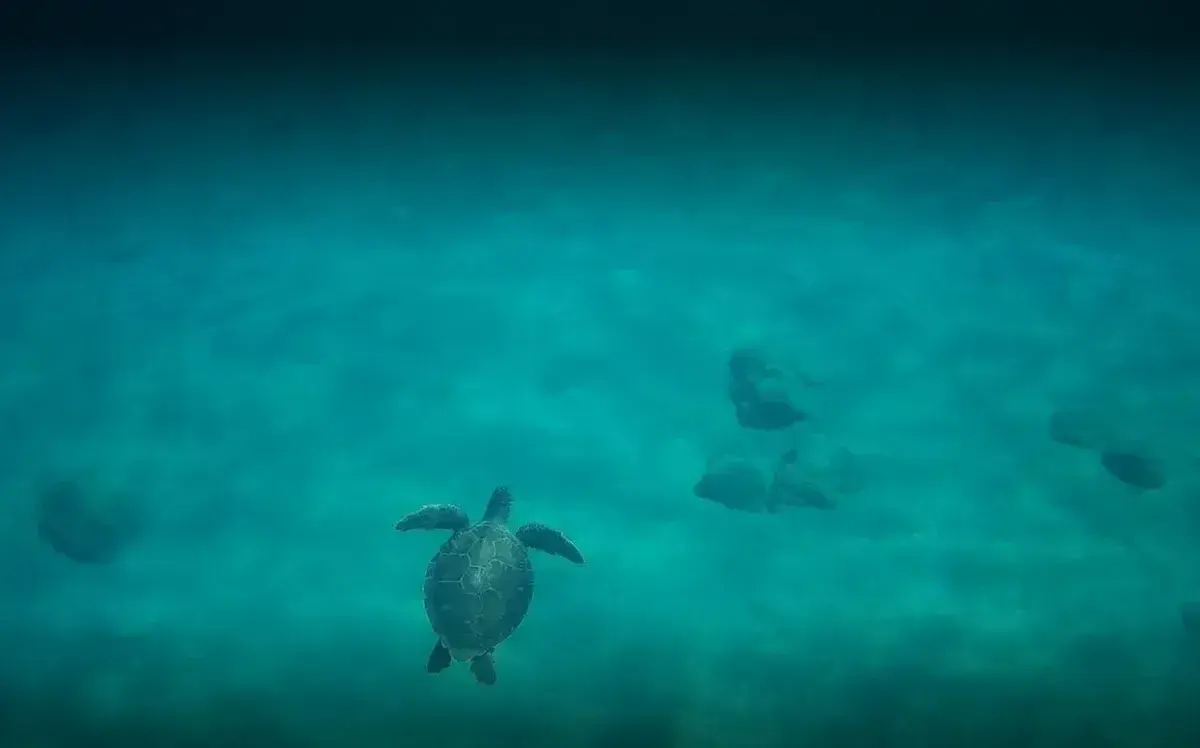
x: 846, y: 406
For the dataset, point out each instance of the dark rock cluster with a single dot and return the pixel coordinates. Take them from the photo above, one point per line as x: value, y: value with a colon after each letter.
x: 1091, y: 429
x: 83, y: 524
x: 739, y: 483
x: 766, y: 398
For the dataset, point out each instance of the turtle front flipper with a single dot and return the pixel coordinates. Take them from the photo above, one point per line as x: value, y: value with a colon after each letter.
x: 483, y: 667
x: 439, y: 658
x: 435, y: 517
x: 548, y: 540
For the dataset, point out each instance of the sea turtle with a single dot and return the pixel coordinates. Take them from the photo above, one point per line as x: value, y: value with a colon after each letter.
x: 479, y: 584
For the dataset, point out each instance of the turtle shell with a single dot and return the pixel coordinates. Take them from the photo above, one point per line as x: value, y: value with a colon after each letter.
x: 478, y: 588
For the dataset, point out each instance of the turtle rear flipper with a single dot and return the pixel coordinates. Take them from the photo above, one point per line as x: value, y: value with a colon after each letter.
x: 548, y: 540
x: 483, y: 667
x: 439, y: 658
x: 435, y: 517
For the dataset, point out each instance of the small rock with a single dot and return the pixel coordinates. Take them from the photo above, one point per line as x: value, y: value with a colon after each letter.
x: 733, y: 482
x: 747, y: 365
x: 84, y: 526
x: 762, y: 396
x: 767, y: 416
x: 1133, y: 469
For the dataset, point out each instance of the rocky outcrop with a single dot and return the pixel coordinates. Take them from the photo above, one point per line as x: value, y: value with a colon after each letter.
x: 84, y: 524
x: 733, y: 482
x: 764, y: 397
x: 808, y: 478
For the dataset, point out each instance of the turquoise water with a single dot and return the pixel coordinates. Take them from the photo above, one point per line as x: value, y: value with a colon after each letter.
x: 273, y: 312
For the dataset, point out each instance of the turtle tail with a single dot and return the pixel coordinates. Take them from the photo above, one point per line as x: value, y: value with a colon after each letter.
x: 499, y: 506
